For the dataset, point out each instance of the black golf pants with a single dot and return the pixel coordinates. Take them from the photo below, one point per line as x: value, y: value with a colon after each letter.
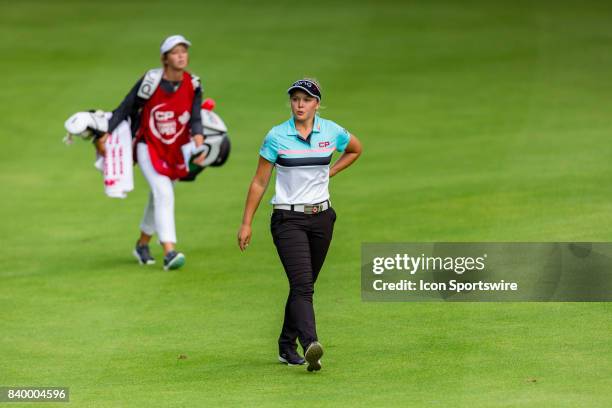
x: 302, y: 241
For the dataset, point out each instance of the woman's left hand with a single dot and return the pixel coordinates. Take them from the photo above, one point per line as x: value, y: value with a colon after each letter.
x: 198, y: 139
x: 351, y: 153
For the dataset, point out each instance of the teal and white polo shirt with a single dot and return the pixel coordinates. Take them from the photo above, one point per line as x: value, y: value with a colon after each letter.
x: 302, y: 165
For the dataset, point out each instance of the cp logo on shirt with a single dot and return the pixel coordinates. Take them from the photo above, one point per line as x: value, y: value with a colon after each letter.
x: 164, y: 115
x: 323, y: 144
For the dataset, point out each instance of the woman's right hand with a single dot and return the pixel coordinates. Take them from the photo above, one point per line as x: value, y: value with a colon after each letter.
x: 100, y: 145
x: 244, y: 236
x: 256, y: 192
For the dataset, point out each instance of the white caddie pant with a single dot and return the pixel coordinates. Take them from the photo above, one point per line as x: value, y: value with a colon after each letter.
x: 159, y: 212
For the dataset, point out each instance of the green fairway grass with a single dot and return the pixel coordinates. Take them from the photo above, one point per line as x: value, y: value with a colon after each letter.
x: 481, y: 121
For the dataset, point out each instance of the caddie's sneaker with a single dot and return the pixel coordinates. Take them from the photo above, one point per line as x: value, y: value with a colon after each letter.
x: 173, y: 260
x: 142, y: 253
x: 313, y: 355
x: 290, y: 357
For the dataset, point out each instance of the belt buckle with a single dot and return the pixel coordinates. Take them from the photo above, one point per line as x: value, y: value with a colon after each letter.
x: 313, y: 209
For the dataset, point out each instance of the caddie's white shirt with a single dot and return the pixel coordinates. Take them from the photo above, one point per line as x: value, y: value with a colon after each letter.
x: 302, y: 165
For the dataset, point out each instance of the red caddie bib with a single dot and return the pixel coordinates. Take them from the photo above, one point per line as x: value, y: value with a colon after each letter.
x: 165, y: 128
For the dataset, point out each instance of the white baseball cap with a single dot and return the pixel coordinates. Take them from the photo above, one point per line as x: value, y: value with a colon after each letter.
x: 172, y: 41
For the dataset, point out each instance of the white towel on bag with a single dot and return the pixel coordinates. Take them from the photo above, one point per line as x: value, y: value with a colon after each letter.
x: 117, y: 166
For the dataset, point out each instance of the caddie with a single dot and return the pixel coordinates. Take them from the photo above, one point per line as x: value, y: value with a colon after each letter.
x: 164, y: 110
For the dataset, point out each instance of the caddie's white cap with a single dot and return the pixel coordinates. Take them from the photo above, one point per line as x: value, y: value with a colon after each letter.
x: 172, y: 41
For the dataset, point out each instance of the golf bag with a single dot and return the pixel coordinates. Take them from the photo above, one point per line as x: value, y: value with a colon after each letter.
x: 216, y: 143
x: 87, y: 125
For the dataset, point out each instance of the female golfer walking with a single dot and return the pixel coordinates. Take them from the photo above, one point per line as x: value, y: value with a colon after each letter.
x: 302, y: 220
x: 165, y: 114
